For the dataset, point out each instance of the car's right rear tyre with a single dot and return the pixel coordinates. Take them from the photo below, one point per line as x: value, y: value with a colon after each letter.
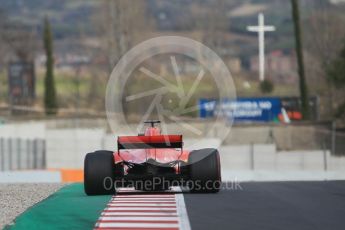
x: 204, y: 171
x: 99, y: 173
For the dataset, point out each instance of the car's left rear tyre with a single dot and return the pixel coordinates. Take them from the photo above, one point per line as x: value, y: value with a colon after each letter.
x: 99, y: 173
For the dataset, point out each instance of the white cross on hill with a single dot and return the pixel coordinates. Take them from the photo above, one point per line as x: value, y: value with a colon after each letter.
x: 261, y: 29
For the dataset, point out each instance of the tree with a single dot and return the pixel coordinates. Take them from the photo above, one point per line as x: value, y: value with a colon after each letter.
x: 18, y: 43
x: 325, y: 33
x: 50, y: 102
x: 299, y: 51
x: 266, y: 86
x: 214, y: 24
x: 336, y: 70
x: 336, y: 76
x: 121, y: 23
x: 17, y: 38
x: 325, y: 30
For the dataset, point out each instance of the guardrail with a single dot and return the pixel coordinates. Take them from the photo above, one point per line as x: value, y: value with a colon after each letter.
x: 18, y: 154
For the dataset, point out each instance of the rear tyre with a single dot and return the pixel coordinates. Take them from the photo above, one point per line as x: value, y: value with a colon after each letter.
x: 204, y: 171
x: 99, y: 173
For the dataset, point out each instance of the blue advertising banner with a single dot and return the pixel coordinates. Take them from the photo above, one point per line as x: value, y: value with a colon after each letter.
x: 242, y: 109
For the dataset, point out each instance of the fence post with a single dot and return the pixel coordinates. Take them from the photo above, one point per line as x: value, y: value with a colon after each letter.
x: 270, y: 138
x: 44, y: 159
x: 34, y: 154
x: 2, y: 152
x: 9, y: 154
x: 28, y: 155
x: 333, y: 137
x: 18, y: 153
x: 325, y: 167
x: 252, y: 167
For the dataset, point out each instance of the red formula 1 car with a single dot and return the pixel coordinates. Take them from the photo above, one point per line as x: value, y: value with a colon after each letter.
x: 151, y: 161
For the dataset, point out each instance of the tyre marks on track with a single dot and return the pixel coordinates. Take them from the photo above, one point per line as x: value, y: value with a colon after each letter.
x: 131, y: 210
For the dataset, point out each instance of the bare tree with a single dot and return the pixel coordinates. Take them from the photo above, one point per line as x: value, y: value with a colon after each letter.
x: 325, y: 34
x: 122, y: 23
x: 214, y: 24
x: 21, y: 40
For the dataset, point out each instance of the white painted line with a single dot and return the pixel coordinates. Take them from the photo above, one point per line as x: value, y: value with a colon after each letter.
x: 131, y: 199
x: 144, y: 196
x: 144, y: 192
x: 182, y: 212
x: 137, y: 225
x: 142, y: 202
x: 139, y: 213
x: 140, y: 205
x: 140, y: 208
x: 157, y: 218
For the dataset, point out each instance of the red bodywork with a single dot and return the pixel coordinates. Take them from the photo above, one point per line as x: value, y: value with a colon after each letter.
x: 162, y: 148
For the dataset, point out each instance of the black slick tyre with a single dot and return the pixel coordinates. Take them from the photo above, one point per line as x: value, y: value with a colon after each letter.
x: 99, y: 173
x: 204, y: 171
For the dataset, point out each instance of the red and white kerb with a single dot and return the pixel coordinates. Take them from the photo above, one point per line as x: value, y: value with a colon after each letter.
x: 147, y: 211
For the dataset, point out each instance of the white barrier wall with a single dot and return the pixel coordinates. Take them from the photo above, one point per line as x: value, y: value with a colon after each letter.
x: 27, y: 130
x: 264, y: 157
x: 66, y: 148
x: 235, y: 157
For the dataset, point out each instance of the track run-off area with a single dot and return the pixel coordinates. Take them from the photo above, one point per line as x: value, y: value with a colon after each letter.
x: 252, y: 205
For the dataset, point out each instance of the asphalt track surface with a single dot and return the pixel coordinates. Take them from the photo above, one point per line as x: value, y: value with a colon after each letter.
x: 270, y: 205
x: 261, y: 205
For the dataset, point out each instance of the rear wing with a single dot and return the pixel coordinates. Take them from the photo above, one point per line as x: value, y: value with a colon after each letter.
x: 149, y: 142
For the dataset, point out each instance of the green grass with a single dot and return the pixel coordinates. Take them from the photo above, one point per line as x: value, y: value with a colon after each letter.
x: 68, y: 208
x: 66, y: 85
x: 92, y: 89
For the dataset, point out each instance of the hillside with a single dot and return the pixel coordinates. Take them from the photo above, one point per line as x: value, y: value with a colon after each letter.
x: 72, y: 19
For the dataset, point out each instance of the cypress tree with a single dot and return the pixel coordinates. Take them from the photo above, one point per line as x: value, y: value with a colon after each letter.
x: 299, y: 52
x: 266, y: 86
x: 50, y: 102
